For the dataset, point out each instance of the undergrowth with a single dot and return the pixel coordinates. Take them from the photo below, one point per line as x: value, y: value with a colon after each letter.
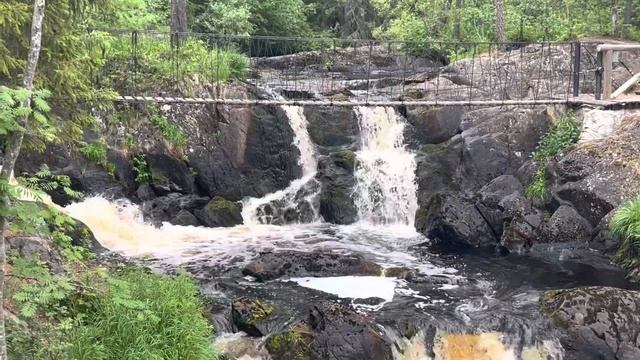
x: 97, y: 315
x: 555, y: 142
x: 626, y: 224
x: 170, y: 131
x: 97, y: 153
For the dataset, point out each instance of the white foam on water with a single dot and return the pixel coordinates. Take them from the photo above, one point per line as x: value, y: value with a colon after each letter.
x: 385, y: 191
x: 352, y: 287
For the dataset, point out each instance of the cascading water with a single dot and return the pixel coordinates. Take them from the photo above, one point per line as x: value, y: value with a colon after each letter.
x: 385, y: 191
x: 298, y: 202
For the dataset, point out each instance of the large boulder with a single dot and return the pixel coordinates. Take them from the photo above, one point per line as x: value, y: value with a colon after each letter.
x: 331, y: 331
x: 336, y: 176
x: 566, y: 225
x: 497, y: 141
x: 36, y: 248
x: 603, y: 321
x: 273, y: 265
x: 220, y: 212
x: 167, y: 208
x: 500, y: 200
x: 450, y: 221
x: 331, y: 126
x: 435, y: 125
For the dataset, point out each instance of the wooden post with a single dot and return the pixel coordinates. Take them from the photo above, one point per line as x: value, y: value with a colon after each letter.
x: 576, y: 68
x: 607, y: 74
x: 598, y: 88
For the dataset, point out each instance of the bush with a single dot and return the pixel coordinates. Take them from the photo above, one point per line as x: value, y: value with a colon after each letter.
x: 145, y: 316
x: 98, y: 316
x: 197, y: 62
x: 555, y: 142
x: 626, y: 224
x: 170, y: 131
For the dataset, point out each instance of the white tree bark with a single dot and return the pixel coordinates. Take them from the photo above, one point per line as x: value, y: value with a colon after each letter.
x: 12, y: 150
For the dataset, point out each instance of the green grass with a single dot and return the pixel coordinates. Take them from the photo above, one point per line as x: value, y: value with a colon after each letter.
x: 145, y: 316
x: 198, y: 62
x: 555, y: 142
x: 626, y: 224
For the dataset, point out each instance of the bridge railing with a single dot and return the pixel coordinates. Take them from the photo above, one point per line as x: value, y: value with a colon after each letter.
x: 209, y: 67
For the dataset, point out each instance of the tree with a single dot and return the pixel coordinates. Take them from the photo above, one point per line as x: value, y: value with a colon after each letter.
x: 500, y: 29
x: 12, y: 149
x: 628, y: 14
x: 179, y: 16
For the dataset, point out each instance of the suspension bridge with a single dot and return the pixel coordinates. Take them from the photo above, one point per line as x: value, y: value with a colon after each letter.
x: 147, y: 66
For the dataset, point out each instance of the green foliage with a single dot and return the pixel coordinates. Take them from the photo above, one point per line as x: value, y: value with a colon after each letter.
x: 538, y: 187
x: 626, y: 224
x: 95, y: 315
x: 147, y: 316
x: 12, y: 107
x: 45, y: 181
x: 97, y: 153
x: 564, y: 134
x: 42, y: 293
x: 170, y: 131
x: 142, y: 170
x: 555, y: 142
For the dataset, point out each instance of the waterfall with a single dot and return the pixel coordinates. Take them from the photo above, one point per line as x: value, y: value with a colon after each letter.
x: 385, y: 191
x: 298, y: 202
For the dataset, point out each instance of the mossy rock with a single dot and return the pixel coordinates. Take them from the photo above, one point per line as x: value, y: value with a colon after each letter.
x: 345, y: 159
x: 220, y: 212
x: 251, y: 315
x: 291, y: 345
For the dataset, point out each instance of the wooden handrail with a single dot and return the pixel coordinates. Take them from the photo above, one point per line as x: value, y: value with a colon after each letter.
x: 607, y: 69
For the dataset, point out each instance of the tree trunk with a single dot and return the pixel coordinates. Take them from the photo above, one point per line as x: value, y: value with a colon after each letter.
x: 179, y: 16
x: 628, y: 15
x: 458, y: 19
x: 12, y: 150
x: 500, y: 30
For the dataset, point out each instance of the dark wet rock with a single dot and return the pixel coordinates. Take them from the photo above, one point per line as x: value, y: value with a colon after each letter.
x: 450, y: 221
x: 437, y: 167
x: 332, y: 125
x: 604, y: 239
x: 293, y: 207
x: 501, y: 200
x: 331, y: 331
x: 185, y: 218
x: 603, y: 320
x: 36, y: 248
x: 519, y: 234
x: 336, y: 176
x: 165, y: 208
x: 592, y: 205
x: 85, y: 176
x: 372, y: 301
x: 566, y: 225
x: 220, y: 212
x: 497, y: 141
x: 250, y: 316
x: 399, y: 272
x: 82, y: 236
x: 435, y: 125
x: 273, y: 265
x: 145, y: 192
x: 122, y: 168
x: 239, y: 151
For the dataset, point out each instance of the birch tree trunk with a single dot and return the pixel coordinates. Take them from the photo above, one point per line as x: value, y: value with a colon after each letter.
x: 500, y: 30
x: 12, y: 150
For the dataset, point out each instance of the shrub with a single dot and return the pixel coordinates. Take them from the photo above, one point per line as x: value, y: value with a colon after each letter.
x: 142, y: 170
x: 555, y: 142
x: 626, y: 224
x: 97, y: 153
x: 146, y: 316
x: 170, y: 131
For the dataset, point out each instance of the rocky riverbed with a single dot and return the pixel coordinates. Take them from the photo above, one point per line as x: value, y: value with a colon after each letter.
x: 384, y: 233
